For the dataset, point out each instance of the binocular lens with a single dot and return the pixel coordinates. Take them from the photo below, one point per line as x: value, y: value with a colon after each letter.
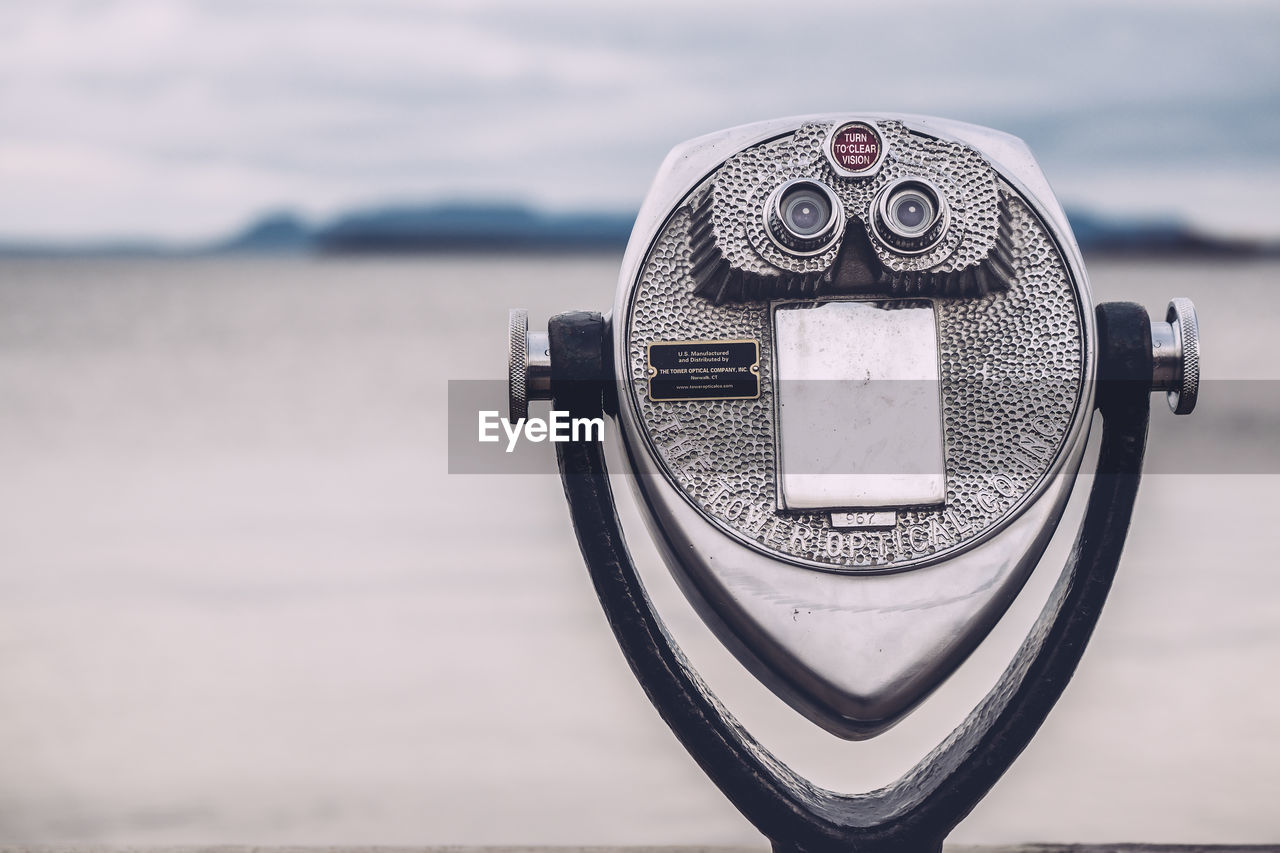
x: 804, y: 217
x: 911, y: 210
x: 805, y: 212
x: 910, y: 216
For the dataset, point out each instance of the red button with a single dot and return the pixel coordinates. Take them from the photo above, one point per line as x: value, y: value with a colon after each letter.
x: 855, y: 147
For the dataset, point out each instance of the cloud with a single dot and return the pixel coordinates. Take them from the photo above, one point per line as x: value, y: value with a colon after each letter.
x: 183, y: 117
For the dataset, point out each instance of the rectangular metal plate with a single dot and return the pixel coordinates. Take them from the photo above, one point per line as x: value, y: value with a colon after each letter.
x: 859, y: 405
x: 879, y: 519
x: 704, y: 370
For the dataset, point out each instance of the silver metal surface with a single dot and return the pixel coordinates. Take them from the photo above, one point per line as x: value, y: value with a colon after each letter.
x: 528, y: 365
x: 538, y: 361
x: 1166, y: 357
x: 1011, y: 369
x: 854, y: 652
x: 1175, y: 356
x: 859, y: 409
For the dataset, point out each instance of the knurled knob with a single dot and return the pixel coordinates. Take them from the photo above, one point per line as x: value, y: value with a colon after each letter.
x: 518, y: 365
x: 528, y: 365
x: 1175, y: 356
x: 1186, y: 329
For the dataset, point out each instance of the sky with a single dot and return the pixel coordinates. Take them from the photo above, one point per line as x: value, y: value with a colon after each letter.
x: 183, y: 119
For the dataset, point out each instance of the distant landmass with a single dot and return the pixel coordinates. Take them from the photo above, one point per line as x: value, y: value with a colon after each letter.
x: 459, y: 227
x: 1114, y: 235
x: 470, y: 228
x: 439, y: 228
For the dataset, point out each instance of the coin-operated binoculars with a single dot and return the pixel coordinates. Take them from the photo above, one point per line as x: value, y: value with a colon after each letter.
x: 854, y: 360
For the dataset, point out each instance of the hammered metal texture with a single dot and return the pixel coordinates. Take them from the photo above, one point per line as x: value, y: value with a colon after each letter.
x: 1011, y: 374
x: 967, y: 182
x: 732, y: 245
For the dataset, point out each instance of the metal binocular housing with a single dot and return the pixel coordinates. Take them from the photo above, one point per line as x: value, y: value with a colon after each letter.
x: 854, y: 362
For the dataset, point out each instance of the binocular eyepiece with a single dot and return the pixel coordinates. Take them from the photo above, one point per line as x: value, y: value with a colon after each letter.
x: 805, y: 217
x: 910, y: 216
